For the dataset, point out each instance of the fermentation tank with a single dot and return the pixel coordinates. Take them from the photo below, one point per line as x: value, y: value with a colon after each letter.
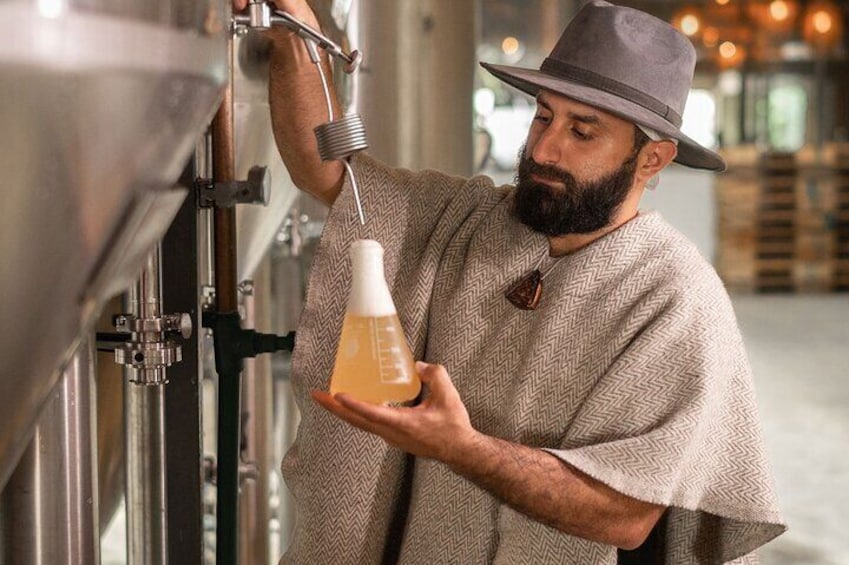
x: 103, y: 103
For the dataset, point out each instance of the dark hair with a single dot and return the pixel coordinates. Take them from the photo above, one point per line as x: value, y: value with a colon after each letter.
x: 640, y: 139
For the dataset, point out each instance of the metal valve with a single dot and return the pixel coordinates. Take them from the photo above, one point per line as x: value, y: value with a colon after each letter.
x: 261, y: 16
x: 170, y: 323
x: 148, y: 351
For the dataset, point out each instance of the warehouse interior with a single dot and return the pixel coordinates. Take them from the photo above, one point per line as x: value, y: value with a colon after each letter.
x: 148, y: 215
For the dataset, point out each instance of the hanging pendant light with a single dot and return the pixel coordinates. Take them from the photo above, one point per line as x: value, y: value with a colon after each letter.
x: 822, y: 25
x: 774, y: 16
x: 689, y: 21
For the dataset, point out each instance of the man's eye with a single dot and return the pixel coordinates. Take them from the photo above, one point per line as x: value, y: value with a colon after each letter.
x: 542, y: 119
x: 581, y: 135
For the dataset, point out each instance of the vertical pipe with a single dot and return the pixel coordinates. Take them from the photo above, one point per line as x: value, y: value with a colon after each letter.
x: 254, y: 506
x: 147, y: 534
x: 286, y: 303
x: 50, y: 503
x: 250, y: 545
x: 229, y: 400
x: 147, y: 539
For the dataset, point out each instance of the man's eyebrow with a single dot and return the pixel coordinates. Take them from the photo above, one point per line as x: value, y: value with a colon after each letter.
x: 590, y: 119
x: 542, y: 103
x: 584, y: 118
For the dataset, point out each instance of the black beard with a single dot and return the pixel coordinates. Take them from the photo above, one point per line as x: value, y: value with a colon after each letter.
x: 579, y: 207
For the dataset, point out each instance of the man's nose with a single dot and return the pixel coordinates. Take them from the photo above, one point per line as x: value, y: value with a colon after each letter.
x: 546, y: 151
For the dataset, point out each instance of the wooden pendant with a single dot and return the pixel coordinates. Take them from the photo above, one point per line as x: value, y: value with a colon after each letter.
x: 525, y: 293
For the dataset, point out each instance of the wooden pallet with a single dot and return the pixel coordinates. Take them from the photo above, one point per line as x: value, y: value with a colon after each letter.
x: 782, y: 226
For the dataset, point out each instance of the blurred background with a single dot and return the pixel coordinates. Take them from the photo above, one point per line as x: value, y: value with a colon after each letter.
x: 143, y: 190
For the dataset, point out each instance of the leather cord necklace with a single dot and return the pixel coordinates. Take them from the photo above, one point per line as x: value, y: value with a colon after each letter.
x: 526, y: 292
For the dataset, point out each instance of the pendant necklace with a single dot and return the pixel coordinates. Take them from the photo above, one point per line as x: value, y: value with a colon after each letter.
x: 526, y: 292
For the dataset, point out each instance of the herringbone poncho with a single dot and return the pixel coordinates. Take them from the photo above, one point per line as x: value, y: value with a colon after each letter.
x: 632, y: 369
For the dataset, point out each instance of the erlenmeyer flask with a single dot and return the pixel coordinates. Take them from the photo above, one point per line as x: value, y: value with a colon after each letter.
x: 373, y: 362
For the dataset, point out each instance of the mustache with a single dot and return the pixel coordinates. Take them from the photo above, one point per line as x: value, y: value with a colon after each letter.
x: 527, y: 167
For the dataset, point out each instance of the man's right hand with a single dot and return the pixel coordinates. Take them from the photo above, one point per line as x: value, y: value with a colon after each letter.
x: 298, y: 8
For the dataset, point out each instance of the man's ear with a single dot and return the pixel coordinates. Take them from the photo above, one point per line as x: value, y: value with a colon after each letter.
x: 654, y: 157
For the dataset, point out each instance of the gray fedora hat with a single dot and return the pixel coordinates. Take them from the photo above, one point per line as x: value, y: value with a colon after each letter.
x: 625, y: 62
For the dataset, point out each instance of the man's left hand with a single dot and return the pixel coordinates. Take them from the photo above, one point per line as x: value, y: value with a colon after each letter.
x: 438, y: 428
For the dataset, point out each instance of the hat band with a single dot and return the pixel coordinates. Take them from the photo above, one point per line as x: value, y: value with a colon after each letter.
x: 584, y: 77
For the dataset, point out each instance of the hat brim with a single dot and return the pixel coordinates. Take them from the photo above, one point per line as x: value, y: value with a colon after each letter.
x: 530, y: 81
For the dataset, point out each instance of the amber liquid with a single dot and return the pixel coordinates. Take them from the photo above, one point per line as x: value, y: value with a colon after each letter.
x: 373, y: 362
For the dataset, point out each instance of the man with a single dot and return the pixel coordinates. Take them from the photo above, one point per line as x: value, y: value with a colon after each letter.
x: 614, y: 404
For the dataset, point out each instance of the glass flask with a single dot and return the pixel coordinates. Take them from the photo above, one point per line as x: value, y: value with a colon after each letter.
x: 373, y: 362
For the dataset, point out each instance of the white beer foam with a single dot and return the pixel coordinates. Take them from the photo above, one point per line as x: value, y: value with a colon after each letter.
x: 370, y: 295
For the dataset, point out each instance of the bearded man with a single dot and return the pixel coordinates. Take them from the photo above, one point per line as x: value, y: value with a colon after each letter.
x: 599, y: 407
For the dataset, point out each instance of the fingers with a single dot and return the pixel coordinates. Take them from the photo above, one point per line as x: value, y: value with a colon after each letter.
x: 363, y: 415
x: 297, y: 8
x: 239, y: 5
x: 331, y: 404
x: 381, y: 415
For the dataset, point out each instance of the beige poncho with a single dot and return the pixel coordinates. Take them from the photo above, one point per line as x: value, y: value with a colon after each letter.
x: 631, y: 369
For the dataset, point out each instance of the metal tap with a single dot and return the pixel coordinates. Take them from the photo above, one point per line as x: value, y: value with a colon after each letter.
x: 261, y: 16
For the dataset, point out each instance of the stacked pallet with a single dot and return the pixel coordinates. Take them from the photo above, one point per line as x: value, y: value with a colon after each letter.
x: 840, y: 167
x: 784, y: 221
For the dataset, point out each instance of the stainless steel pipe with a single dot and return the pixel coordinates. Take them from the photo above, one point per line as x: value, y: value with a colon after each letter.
x: 144, y: 397
x: 147, y: 510
x: 254, y: 509
x: 50, y: 504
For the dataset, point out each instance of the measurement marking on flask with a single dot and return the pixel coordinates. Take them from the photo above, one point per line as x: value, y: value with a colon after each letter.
x: 386, y: 342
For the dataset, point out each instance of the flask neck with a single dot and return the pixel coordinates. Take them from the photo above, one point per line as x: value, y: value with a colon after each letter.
x: 369, y: 292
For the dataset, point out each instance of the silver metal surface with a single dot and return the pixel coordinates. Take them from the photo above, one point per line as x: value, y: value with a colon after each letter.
x: 50, y: 504
x: 99, y: 114
x: 341, y: 138
x: 257, y: 462
x: 254, y: 145
x: 146, y: 491
x: 149, y: 351
x: 352, y: 60
x: 204, y: 17
x: 180, y: 323
x: 414, y: 113
x: 146, y: 504
x: 289, y: 264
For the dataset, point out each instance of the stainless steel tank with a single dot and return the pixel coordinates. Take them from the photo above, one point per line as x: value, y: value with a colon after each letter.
x: 102, y: 105
x: 254, y: 144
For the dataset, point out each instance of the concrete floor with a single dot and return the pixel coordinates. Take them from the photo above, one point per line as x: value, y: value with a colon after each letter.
x: 799, y: 349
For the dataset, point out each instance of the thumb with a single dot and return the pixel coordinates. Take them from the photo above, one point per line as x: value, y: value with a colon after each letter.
x: 436, y: 377
x: 426, y: 370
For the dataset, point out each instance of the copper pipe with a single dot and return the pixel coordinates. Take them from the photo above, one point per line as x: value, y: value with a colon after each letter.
x: 229, y: 377
x: 224, y: 170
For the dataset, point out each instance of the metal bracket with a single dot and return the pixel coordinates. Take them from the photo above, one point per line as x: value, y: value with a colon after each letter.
x: 255, y: 190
